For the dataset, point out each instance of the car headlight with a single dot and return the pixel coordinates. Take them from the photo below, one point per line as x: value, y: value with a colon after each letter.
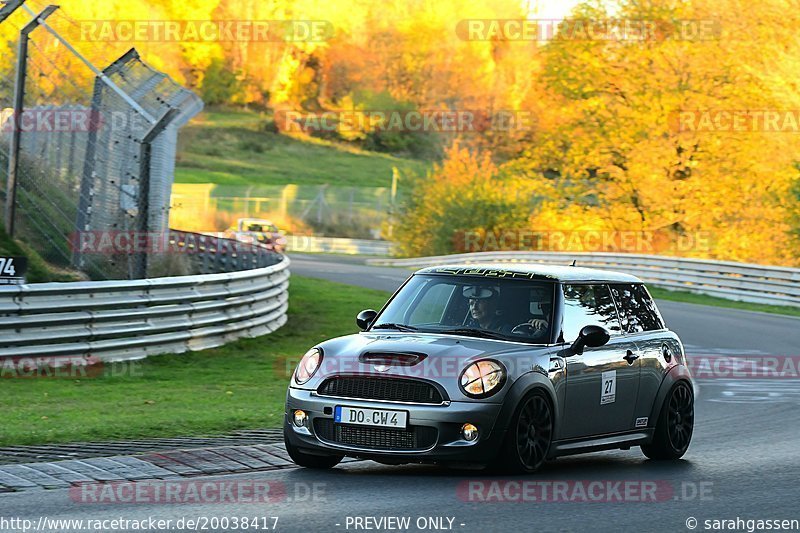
x: 308, y: 365
x: 482, y: 379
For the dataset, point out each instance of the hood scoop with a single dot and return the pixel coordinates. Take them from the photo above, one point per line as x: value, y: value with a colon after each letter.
x: 392, y: 358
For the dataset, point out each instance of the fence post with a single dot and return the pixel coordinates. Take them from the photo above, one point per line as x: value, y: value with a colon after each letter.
x: 85, y: 197
x: 393, y: 202
x: 19, y: 102
x: 8, y: 8
x: 143, y: 195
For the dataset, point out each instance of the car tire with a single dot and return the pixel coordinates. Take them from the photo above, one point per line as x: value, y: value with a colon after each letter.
x: 675, y: 425
x: 529, y: 435
x: 306, y: 460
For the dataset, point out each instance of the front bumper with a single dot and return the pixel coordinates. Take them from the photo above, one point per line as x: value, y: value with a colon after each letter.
x: 444, y: 422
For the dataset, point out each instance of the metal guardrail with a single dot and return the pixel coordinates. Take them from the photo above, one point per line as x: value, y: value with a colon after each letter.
x: 123, y: 320
x: 211, y: 254
x: 725, y: 279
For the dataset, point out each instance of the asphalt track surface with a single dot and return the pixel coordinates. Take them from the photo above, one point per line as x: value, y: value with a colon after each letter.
x: 743, y: 464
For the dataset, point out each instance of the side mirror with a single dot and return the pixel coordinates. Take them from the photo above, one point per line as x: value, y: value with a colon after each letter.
x: 591, y: 336
x: 364, y: 318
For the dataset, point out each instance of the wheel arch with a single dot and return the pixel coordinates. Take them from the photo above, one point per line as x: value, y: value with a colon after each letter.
x: 676, y: 374
x: 522, y: 387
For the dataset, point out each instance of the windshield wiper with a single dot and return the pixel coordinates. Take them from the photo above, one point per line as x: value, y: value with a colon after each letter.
x: 475, y: 332
x: 398, y: 327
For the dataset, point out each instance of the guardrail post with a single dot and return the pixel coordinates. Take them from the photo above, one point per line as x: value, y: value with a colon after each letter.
x: 143, y: 198
x: 19, y: 102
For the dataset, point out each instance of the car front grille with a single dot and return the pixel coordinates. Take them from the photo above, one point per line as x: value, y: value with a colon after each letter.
x: 376, y: 438
x: 375, y: 388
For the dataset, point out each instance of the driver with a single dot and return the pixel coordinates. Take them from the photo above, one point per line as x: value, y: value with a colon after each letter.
x: 483, y: 312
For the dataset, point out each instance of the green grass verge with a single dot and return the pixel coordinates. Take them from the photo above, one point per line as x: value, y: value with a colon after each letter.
x: 702, y: 299
x: 236, y: 148
x: 241, y: 385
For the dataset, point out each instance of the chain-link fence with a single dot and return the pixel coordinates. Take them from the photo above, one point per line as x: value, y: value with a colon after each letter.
x: 334, y: 211
x: 87, y: 144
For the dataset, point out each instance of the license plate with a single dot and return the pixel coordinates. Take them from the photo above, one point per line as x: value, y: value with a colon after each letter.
x: 370, y: 417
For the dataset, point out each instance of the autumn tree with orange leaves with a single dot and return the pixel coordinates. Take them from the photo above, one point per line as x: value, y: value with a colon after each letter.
x: 607, y: 150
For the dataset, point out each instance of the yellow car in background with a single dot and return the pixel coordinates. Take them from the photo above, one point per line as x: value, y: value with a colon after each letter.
x: 258, y: 231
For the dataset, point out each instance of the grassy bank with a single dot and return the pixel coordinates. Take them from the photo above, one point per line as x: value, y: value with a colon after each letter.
x: 241, y: 385
x: 238, y: 148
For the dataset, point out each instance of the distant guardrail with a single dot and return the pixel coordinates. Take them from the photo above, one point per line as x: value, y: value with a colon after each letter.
x: 725, y: 279
x: 245, y: 296
x: 337, y: 245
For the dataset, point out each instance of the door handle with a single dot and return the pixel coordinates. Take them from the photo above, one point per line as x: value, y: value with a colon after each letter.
x: 630, y: 357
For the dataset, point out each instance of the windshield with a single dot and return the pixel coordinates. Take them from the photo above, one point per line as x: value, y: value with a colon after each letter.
x: 261, y: 228
x: 509, y: 309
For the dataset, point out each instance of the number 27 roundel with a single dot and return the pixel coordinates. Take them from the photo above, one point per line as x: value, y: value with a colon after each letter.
x: 608, y: 390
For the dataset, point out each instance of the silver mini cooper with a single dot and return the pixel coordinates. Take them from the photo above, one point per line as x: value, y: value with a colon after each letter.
x: 497, y: 365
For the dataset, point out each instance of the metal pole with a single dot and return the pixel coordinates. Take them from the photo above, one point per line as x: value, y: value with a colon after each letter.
x: 320, y: 204
x: 143, y: 199
x: 392, y: 200
x: 19, y: 101
x: 9, y: 6
x: 247, y: 202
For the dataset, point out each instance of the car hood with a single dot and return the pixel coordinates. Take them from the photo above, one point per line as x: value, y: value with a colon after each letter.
x: 435, y: 357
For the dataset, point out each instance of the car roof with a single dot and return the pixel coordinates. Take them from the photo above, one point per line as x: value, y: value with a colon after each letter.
x: 258, y: 220
x: 532, y: 271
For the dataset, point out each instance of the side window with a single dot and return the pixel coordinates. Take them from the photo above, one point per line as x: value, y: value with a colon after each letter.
x: 586, y: 305
x: 540, y: 302
x: 431, y: 305
x: 639, y: 311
